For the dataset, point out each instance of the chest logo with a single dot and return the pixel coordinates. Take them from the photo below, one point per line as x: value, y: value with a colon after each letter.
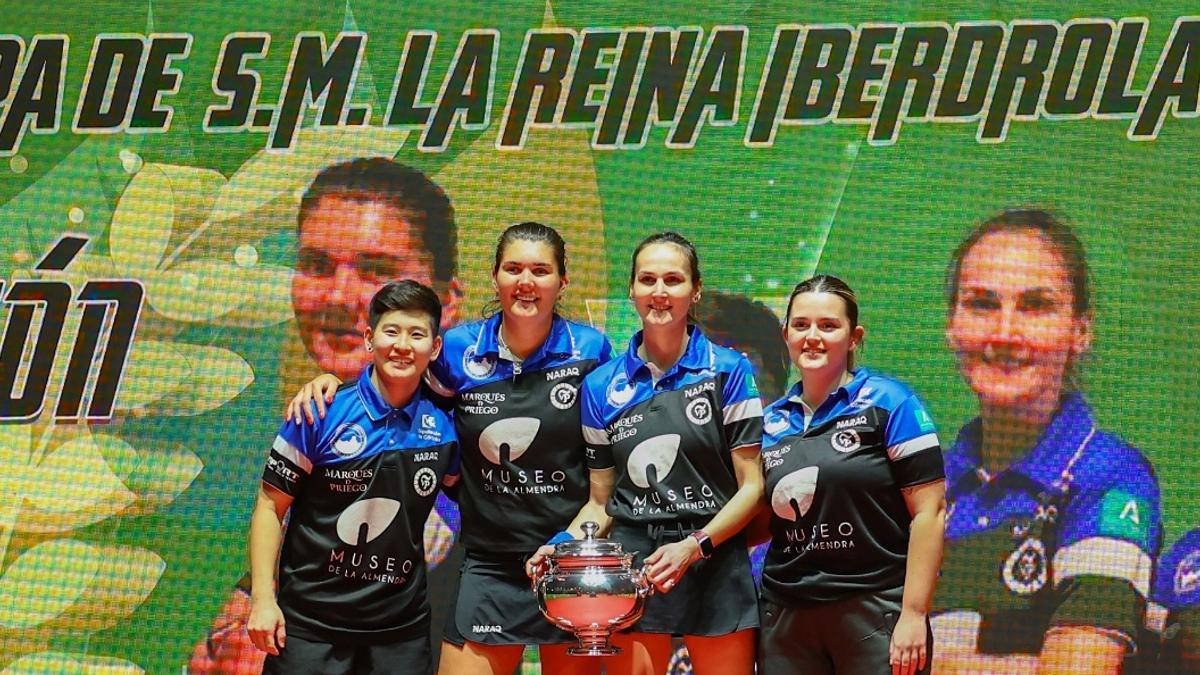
x: 366, y: 519
x: 349, y: 440
x: 846, y: 440
x: 652, y: 459
x: 480, y: 368
x: 793, y: 494
x: 425, y: 481
x: 1187, y: 574
x: 776, y: 422
x: 505, y: 440
x: 699, y: 411
x: 619, y: 391
x: 562, y: 395
x: 1025, y: 570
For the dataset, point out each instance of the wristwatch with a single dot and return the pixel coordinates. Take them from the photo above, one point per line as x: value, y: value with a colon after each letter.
x: 706, y: 544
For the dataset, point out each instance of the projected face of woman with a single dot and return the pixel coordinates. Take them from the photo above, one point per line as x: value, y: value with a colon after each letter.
x: 1013, y: 326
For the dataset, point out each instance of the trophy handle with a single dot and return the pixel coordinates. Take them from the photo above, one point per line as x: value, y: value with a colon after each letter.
x: 644, y: 588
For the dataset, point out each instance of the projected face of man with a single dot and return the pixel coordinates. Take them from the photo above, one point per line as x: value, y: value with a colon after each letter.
x: 350, y: 245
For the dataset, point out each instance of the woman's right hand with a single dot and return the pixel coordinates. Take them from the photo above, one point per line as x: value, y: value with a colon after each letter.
x: 319, y: 391
x: 266, y: 626
x: 533, y: 566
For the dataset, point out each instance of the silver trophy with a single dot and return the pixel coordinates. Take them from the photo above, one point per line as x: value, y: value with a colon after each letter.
x: 589, y: 587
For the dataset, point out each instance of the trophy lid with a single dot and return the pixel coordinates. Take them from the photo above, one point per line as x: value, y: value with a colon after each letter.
x: 590, y: 546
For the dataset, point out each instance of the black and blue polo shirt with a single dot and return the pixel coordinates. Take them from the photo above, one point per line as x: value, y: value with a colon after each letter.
x: 363, y: 480
x: 524, y: 472
x: 670, y: 438
x: 834, y: 475
x: 1066, y: 536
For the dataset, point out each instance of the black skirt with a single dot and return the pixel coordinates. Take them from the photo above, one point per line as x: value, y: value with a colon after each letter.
x: 714, y: 597
x: 496, y: 605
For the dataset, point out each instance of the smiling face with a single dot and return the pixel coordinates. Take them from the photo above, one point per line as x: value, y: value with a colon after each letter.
x: 819, y: 334
x: 1013, y: 325
x: 350, y: 247
x: 663, y: 290
x: 403, y: 342
x: 527, y: 280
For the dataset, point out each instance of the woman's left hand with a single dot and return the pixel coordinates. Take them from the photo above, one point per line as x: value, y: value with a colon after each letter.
x: 908, y: 653
x: 667, y: 565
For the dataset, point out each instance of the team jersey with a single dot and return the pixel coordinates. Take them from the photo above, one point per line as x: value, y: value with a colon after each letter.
x: 670, y: 440
x: 524, y: 472
x: 834, y: 475
x: 1173, y: 616
x: 363, y: 479
x: 1066, y: 536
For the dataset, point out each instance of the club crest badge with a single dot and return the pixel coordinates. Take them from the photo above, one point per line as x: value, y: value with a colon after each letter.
x: 348, y: 440
x: 563, y: 395
x: 699, y: 411
x: 478, y: 368
x: 1026, y: 569
x: 846, y: 440
x: 424, y: 481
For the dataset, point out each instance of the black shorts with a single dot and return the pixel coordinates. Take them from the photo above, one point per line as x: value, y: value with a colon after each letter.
x: 410, y: 656
x: 853, y: 635
x: 714, y: 597
x: 496, y: 605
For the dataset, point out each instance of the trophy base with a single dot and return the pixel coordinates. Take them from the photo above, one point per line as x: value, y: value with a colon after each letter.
x: 594, y: 650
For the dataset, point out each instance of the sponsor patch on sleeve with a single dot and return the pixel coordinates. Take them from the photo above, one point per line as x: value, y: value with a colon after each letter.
x: 751, y: 385
x: 1125, y: 516
x: 924, y: 420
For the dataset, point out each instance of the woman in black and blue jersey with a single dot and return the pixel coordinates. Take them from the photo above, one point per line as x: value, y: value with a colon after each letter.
x: 514, y: 378
x: 672, y: 430
x: 855, y: 494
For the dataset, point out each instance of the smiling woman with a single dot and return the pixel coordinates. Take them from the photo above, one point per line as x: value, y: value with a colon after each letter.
x: 1072, y: 511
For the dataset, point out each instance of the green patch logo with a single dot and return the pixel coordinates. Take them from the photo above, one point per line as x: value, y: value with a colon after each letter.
x: 925, y: 421
x: 1125, y: 516
x: 752, y: 385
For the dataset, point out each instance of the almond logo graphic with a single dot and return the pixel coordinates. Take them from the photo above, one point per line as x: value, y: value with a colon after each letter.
x: 504, y: 441
x: 652, y: 459
x: 793, y: 494
x: 366, y: 519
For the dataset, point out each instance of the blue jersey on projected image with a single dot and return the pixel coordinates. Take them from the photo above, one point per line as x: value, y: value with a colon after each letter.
x: 363, y: 479
x: 1066, y: 536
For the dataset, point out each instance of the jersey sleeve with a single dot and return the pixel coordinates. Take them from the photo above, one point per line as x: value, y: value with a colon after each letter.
x: 595, y: 434
x: 606, y: 351
x: 741, y: 410
x: 912, y: 444
x: 289, y: 462
x: 439, y: 376
x: 1107, y: 544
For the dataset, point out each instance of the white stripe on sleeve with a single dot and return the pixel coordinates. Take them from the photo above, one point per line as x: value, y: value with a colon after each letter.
x: 292, y: 453
x: 1104, y: 557
x: 735, y: 412
x: 912, y: 446
x: 594, y: 436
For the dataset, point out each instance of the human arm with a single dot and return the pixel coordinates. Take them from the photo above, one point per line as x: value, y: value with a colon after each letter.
x: 318, y: 391
x: 266, y: 623
x: 758, y: 530
x: 926, y: 504
x: 666, y: 565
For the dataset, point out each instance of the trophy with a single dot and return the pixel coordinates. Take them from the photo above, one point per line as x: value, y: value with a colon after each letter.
x: 589, y: 587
